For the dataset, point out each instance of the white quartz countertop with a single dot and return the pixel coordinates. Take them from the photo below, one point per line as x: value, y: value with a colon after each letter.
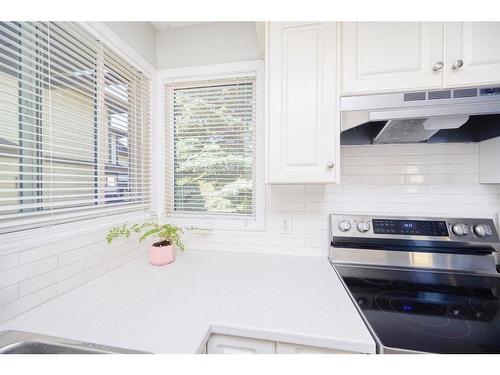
x: 173, y: 309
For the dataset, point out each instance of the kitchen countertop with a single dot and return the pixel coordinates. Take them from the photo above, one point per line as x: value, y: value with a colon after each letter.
x: 173, y: 309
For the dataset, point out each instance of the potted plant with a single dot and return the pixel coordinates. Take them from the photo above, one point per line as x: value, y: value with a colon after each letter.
x: 161, y: 252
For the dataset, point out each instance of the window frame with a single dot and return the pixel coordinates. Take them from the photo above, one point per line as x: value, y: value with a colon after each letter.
x: 214, y: 72
x: 21, y: 239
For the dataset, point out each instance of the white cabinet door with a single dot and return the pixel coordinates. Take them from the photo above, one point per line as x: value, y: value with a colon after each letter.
x: 302, y: 109
x: 285, y: 348
x: 391, y: 56
x: 223, y: 344
x: 476, y: 47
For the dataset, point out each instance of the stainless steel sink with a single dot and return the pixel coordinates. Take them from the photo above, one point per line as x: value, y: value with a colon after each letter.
x: 20, y: 342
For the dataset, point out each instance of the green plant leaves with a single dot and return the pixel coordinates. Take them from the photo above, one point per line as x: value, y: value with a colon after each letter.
x: 165, y: 232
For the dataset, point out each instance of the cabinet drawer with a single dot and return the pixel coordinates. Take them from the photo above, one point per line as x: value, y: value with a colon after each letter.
x: 224, y: 344
x: 285, y: 348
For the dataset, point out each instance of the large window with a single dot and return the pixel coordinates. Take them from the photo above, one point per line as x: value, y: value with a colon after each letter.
x: 212, y: 141
x: 74, y: 127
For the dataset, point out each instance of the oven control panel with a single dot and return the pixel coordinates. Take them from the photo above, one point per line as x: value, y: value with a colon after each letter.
x: 411, y: 227
x: 418, y: 228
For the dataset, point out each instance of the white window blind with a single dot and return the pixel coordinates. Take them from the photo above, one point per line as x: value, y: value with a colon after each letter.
x: 74, y: 127
x: 211, y: 147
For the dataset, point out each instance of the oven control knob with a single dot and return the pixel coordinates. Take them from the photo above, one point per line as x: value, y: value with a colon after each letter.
x: 461, y: 229
x: 344, y: 226
x: 363, y: 226
x: 482, y: 230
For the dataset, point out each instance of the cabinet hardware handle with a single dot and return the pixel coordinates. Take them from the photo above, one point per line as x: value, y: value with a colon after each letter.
x: 457, y: 64
x: 330, y: 164
x: 438, y: 66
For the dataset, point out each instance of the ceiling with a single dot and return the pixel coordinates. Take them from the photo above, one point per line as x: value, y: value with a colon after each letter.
x: 171, y: 25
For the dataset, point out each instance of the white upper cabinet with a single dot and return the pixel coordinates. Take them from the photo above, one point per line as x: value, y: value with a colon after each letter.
x: 391, y: 56
x: 302, y: 107
x: 472, y: 53
x: 408, y: 56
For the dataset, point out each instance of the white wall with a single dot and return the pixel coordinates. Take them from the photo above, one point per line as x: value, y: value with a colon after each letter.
x: 141, y: 36
x: 418, y: 179
x: 207, y: 43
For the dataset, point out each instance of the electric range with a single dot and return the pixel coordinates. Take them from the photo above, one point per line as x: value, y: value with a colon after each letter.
x: 421, y: 284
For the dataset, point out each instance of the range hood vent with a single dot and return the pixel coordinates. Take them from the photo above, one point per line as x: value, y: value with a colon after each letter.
x: 407, y: 115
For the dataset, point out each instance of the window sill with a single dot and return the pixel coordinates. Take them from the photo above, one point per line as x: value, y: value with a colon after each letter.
x: 215, y: 222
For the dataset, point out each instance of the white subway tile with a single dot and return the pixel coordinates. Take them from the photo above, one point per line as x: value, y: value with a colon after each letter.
x: 286, y: 206
x: 9, y: 294
x: 464, y: 159
x: 464, y: 179
x: 305, y: 198
x: 383, y: 160
x: 24, y: 304
x: 80, y: 279
x: 452, y: 148
x: 9, y: 261
x: 122, y: 259
x: 427, y: 179
x: 87, y: 251
x: 51, y: 249
x: 281, y: 198
x: 427, y: 159
x: 315, y: 189
x: 451, y: 188
x: 406, y: 169
x: 409, y: 189
x: 52, y: 277
x: 384, y: 180
x: 407, y: 149
x: 23, y: 272
x: 356, y: 170
x: 97, y: 236
x: 363, y: 150
x: 453, y: 169
x: 351, y: 160
x: 279, y: 189
x: 351, y: 179
x: 364, y: 188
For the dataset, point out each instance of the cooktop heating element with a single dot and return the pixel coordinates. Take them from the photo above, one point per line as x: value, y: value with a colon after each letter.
x: 421, y: 284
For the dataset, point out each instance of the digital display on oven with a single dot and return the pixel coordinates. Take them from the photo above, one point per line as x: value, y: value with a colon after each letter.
x: 410, y: 227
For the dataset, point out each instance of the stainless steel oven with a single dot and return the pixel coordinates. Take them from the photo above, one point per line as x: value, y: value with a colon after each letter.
x: 421, y: 284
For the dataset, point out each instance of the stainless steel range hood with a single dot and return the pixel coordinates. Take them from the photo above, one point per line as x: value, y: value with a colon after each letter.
x: 416, y: 116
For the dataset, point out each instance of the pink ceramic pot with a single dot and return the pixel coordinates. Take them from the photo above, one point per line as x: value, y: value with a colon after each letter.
x: 161, y: 254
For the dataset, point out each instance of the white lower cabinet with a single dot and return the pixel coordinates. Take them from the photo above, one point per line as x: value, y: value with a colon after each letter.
x: 286, y: 348
x: 225, y: 344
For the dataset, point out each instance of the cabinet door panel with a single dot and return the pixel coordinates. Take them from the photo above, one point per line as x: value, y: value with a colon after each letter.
x: 224, y: 344
x: 285, y: 348
x: 477, y: 44
x: 302, y: 122
x: 391, y: 56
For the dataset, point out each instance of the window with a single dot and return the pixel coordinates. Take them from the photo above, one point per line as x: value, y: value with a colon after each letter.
x: 212, y: 149
x: 74, y: 127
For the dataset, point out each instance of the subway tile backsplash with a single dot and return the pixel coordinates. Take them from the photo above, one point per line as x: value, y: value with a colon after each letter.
x: 413, y: 179
x: 30, y: 277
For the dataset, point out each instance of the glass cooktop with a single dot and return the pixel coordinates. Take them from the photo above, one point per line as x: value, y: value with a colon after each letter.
x: 428, y: 311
